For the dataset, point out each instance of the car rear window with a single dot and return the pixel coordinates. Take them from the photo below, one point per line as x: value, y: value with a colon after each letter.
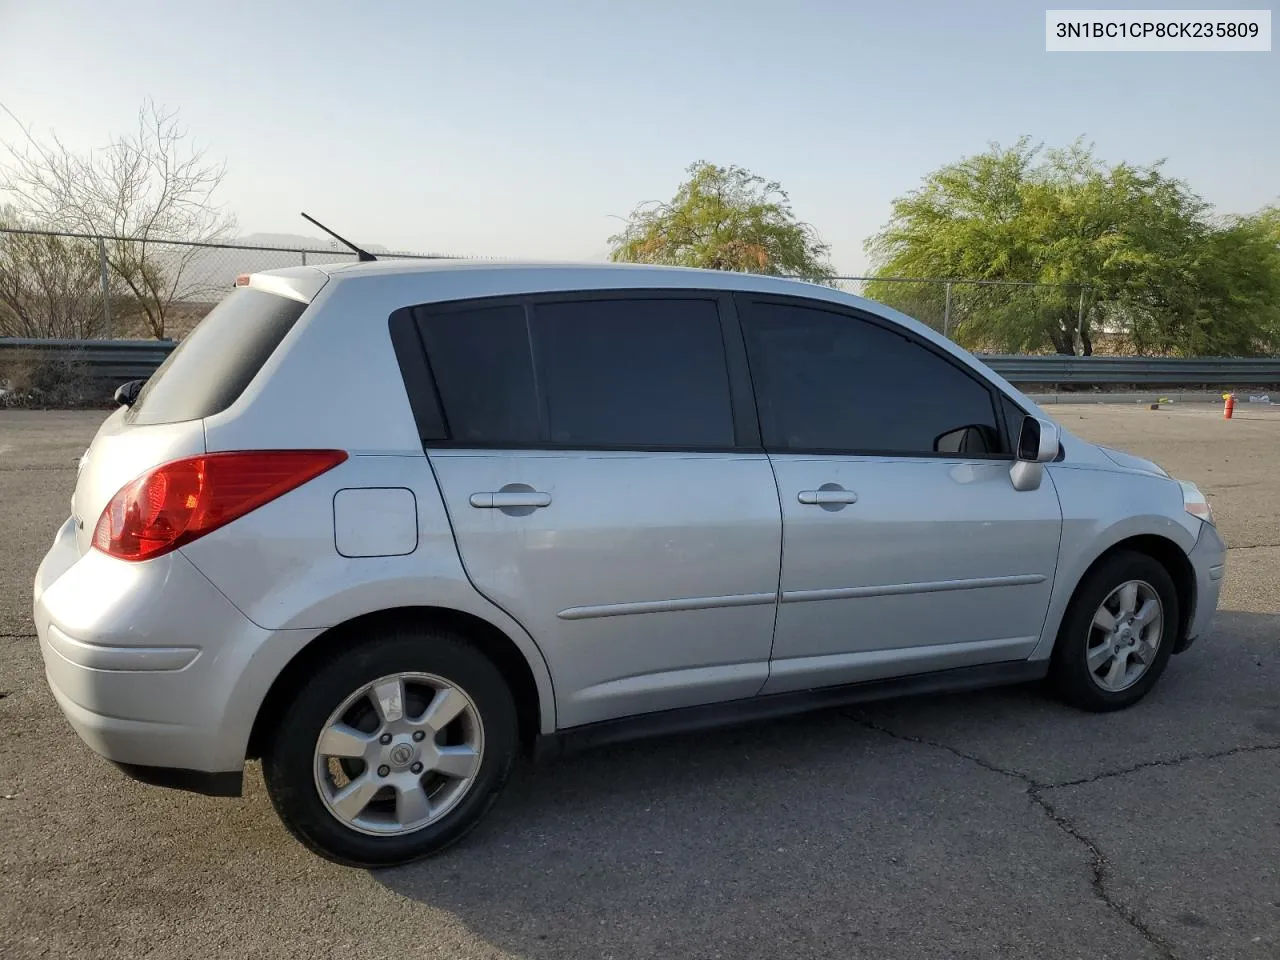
x: 645, y: 373
x: 211, y: 367
x: 642, y: 373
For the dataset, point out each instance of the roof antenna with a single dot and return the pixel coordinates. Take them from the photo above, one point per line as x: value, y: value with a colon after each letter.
x: 364, y: 256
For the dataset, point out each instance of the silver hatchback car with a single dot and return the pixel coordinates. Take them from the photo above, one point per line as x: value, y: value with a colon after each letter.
x: 387, y: 525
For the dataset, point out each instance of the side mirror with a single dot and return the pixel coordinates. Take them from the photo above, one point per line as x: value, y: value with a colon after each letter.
x: 1037, y: 445
x: 126, y: 393
x: 1038, y: 440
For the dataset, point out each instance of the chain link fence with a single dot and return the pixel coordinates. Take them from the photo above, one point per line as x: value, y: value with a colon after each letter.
x: 74, y: 286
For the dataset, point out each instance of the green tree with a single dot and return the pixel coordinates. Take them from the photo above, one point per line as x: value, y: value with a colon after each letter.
x: 1216, y: 295
x: 1124, y: 249
x: 724, y: 218
x: 1237, y: 311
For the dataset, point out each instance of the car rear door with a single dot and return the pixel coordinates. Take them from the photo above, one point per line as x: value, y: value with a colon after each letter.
x: 602, y: 472
x: 905, y: 546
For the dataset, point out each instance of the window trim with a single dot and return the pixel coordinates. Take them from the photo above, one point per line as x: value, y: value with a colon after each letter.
x: 748, y: 302
x: 742, y: 401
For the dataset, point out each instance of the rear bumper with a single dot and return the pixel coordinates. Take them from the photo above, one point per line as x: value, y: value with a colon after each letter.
x: 194, y: 781
x: 151, y: 665
x: 1209, y: 563
x: 116, y: 737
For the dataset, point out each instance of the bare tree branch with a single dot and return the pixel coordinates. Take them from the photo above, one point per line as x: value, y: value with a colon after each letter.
x: 146, y: 187
x: 49, y: 286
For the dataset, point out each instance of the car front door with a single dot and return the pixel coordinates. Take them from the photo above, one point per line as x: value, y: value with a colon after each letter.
x: 607, y: 489
x: 905, y: 546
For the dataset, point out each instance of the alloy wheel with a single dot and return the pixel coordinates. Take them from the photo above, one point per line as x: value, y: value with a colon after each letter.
x: 399, y: 753
x: 1124, y: 635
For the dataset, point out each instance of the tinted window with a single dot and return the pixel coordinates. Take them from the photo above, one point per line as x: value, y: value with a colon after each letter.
x: 211, y: 367
x: 826, y: 381
x: 636, y: 373
x: 484, y: 373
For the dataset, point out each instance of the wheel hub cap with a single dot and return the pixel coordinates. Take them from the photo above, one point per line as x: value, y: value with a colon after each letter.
x: 402, y: 754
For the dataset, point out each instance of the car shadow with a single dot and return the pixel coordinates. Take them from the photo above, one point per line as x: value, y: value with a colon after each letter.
x: 836, y: 833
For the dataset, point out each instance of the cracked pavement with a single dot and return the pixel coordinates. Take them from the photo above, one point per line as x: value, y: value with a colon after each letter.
x: 996, y: 824
x: 1039, y: 793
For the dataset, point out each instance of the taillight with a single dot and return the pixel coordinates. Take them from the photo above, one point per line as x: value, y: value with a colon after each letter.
x: 177, y: 502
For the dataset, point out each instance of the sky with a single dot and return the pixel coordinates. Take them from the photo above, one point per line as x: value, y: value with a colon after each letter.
x: 520, y: 129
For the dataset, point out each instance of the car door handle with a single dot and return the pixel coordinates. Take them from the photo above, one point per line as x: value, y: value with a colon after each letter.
x: 505, y: 499
x: 827, y: 496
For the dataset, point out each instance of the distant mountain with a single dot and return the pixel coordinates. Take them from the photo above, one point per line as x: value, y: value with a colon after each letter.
x: 209, y: 273
x: 298, y: 240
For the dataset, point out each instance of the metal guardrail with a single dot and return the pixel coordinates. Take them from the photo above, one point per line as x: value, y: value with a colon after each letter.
x: 1148, y: 371
x: 112, y: 360
x: 121, y: 360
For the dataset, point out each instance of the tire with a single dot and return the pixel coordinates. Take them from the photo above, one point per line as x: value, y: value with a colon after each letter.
x: 460, y: 770
x: 1070, y: 671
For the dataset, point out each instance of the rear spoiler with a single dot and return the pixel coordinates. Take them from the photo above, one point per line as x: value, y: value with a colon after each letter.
x: 296, y: 283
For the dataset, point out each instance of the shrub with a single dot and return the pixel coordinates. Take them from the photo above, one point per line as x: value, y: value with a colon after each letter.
x: 48, y: 378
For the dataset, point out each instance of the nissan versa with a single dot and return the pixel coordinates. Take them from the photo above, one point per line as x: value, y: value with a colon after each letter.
x: 386, y: 525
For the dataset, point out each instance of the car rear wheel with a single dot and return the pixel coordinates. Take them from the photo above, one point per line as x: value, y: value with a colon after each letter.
x: 1117, y: 635
x: 394, y: 749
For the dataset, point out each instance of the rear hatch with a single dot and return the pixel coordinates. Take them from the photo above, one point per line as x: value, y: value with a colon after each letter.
x: 204, y: 375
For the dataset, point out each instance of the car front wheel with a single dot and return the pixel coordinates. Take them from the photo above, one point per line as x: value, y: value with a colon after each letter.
x: 1118, y: 633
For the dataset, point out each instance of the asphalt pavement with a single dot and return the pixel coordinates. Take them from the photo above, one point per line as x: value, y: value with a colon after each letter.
x: 996, y: 824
